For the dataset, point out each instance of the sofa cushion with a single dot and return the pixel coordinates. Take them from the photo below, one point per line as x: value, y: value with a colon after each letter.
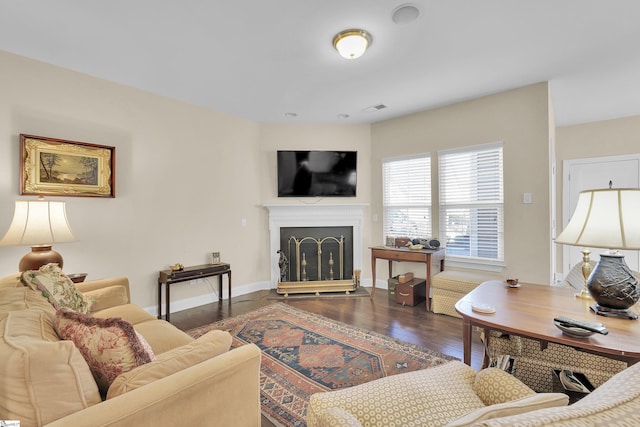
x: 10, y: 281
x: 129, y: 312
x: 206, y: 347
x: 111, y: 296
x: 494, y: 385
x: 162, y: 335
x: 110, y: 346
x: 518, y: 406
x: 22, y: 298
x: 42, y: 378
x: 57, y: 288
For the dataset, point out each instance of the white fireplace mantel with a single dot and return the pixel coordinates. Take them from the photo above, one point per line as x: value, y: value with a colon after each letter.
x: 315, y: 215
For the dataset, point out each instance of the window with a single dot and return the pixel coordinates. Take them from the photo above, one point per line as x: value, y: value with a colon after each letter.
x: 472, y: 202
x: 406, y: 196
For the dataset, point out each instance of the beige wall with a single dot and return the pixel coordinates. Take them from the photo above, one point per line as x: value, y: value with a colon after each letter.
x: 520, y: 119
x: 596, y: 139
x: 187, y: 176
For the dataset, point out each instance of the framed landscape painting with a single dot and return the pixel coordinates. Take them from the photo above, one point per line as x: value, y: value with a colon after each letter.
x: 56, y: 167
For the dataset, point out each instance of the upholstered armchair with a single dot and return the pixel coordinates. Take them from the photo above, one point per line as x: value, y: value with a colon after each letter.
x: 452, y: 394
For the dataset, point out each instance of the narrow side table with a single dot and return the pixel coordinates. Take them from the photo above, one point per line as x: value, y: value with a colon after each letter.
x: 426, y: 256
x: 169, y: 277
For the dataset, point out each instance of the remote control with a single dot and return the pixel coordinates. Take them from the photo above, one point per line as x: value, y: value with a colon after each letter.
x: 589, y: 326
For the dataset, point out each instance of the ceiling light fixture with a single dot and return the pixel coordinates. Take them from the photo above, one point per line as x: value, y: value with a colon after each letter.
x: 352, y: 44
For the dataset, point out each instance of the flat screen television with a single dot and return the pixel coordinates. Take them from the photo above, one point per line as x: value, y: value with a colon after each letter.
x: 316, y: 173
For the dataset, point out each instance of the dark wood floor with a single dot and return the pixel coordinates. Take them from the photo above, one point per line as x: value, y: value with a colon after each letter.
x: 412, y: 324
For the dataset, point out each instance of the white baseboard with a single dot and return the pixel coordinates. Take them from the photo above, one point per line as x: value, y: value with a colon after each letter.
x: 187, y: 303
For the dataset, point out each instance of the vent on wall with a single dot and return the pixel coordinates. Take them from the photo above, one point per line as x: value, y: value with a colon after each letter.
x: 374, y: 108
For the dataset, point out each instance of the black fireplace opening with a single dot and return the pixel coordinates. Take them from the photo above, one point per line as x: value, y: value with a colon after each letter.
x: 315, y: 253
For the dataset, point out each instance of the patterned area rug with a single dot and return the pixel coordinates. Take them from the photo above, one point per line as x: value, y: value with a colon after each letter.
x: 304, y: 353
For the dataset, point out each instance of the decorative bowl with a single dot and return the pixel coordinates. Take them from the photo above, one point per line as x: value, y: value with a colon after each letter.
x: 573, y: 331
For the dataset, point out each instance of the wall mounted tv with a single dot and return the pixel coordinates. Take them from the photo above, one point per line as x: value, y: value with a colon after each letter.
x: 317, y: 173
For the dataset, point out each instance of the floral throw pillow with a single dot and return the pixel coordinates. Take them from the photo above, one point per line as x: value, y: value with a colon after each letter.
x: 110, y: 346
x: 57, y: 288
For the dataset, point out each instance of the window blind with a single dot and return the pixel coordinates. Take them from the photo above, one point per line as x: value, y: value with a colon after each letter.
x: 407, y: 196
x: 472, y: 201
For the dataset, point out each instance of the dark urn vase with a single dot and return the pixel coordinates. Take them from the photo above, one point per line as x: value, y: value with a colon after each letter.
x: 613, y: 286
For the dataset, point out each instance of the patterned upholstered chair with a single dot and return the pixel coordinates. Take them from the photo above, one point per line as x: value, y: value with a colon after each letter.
x: 453, y: 395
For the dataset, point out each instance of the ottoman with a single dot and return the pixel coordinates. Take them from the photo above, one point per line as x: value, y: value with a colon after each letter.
x: 450, y: 285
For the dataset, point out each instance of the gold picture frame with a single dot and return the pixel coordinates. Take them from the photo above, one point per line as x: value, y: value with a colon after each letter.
x: 57, y: 167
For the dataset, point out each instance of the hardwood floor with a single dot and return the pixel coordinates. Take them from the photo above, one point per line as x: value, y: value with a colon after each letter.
x: 412, y: 324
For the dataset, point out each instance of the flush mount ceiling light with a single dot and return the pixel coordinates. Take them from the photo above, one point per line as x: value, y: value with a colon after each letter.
x: 352, y: 44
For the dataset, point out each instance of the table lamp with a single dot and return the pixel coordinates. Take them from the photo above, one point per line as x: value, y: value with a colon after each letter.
x: 39, y: 224
x: 610, y: 219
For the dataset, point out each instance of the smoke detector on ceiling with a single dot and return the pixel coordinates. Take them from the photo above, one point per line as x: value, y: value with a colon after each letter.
x: 404, y: 14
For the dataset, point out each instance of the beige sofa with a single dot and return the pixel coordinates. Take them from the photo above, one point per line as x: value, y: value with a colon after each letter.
x: 45, y: 381
x: 454, y: 395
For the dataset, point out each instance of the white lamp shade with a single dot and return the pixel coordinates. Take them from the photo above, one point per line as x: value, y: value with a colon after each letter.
x: 352, y: 44
x: 607, y: 218
x: 38, y: 222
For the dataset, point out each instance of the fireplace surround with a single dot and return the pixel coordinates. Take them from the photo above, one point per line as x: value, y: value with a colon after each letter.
x: 316, y: 215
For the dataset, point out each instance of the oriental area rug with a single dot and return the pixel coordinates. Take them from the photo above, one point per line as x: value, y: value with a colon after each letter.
x: 305, y: 353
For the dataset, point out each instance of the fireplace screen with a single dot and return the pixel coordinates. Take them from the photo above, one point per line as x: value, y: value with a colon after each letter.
x: 315, y: 259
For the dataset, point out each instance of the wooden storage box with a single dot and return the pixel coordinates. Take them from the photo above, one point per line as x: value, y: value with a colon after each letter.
x: 402, y: 242
x: 412, y: 292
x: 406, y: 277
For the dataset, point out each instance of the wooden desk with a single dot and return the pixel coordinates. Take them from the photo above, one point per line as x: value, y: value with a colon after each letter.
x: 529, y: 311
x: 169, y: 277
x: 426, y: 256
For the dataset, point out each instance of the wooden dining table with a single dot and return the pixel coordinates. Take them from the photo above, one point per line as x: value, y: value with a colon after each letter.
x: 529, y: 310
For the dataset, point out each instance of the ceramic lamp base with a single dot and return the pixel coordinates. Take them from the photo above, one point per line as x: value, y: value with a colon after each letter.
x: 40, y: 255
x: 613, y: 287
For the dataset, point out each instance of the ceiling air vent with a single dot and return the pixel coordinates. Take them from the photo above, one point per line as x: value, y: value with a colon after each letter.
x: 374, y: 108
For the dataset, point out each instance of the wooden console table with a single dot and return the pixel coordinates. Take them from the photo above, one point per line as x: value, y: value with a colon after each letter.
x: 529, y: 311
x: 426, y: 256
x: 169, y: 277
